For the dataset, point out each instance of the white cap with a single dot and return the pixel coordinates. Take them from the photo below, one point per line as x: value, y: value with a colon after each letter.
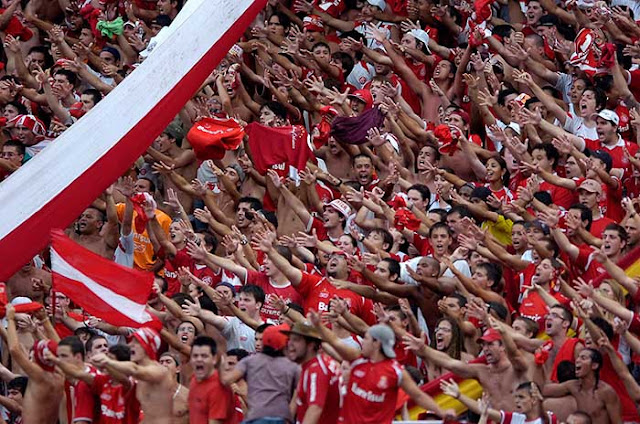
x: 381, y: 4
x: 421, y: 35
x: 608, y: 115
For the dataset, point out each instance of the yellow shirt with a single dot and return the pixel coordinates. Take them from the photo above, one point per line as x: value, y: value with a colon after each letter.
x: 143, y: 248
x: 500, y: 229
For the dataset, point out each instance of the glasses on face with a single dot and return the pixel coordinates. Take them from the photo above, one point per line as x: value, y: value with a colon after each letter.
x: 443, y: 329
x: 554, y: 316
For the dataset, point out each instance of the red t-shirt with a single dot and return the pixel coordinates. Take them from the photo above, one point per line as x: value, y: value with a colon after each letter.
x: 618, y: 158
x: 318, y: 386
x: 64, y: 331
x: 288, y: 293
x: 117, y: 405
x: 206, y: 274
x: 585, y: 266
x: 371, y: 392
x: 317, y: 292
x: 171, y: 267
x: 210, y: 400
x: 80, y: 399
x: 535, y: 308
x: 598, y: 226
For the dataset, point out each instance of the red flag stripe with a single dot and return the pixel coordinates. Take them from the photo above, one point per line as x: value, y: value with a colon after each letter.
x: 75, y: 262
x: 72, y: 281
x: 103, y: 144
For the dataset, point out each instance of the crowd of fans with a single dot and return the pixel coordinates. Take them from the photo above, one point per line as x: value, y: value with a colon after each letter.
x: 466, y: 208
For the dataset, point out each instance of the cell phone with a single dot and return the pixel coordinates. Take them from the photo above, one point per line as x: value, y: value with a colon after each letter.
x: 249, y: 215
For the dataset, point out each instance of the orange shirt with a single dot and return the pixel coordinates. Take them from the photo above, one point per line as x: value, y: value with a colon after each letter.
x: 143, y: 257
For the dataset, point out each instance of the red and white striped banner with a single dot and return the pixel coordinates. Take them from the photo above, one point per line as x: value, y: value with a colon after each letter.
x: 99, y: 286
x: 53, y: 188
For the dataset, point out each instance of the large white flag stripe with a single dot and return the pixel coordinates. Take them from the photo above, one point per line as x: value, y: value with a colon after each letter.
x: 55, y: 186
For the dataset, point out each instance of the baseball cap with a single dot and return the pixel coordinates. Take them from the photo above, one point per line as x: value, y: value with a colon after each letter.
x: 363, y: 95
x: 381, y: 4
x: 490, y: 335
x: 608, y: 115
x: 591, y: 186
x: 273, y: 337
x: 341, y: 206
x: 313, y: 23
x: 303, y: 329
x: 384, y: 334
x: 175, y: 131
x: 548, y: 20
x: 421, y: 35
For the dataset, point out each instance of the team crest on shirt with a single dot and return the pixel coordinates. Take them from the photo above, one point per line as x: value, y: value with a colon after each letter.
x: 359, y: 373
x: 323, y: 294
x: 383, y: 383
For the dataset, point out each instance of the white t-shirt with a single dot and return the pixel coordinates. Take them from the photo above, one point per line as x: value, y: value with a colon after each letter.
x: 124, y: 252
x: 239, y: 335
x: 576, y: 126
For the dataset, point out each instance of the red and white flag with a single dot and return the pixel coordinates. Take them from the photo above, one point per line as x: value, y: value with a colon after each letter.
x: 104, y: 289
x: 54, y: 187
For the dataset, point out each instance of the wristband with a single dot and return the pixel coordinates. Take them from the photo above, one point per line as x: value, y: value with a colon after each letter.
x: 286, y: 311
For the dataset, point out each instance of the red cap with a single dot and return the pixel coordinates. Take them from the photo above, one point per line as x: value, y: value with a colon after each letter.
x: 273, y: 337
x: 491, y: 335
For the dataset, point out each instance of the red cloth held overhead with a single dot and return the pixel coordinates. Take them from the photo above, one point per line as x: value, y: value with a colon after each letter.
x: 281, y: 147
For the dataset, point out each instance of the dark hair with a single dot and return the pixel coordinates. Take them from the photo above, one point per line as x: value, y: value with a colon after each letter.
x: 600, y: 97
x: 278, y: 109
x: 503, y: 165
x: 461, y: 210
x: 360, y: 155
x: 503, y: 30
x: 387, y: 238
x: 211, y: 240
x: 254, y: 203
x: 296, y: 307
x: 543, y: 197
x: 346, y: 60
x: 438, y: 226
x: 424, y: 191
x: 92, y: 340
x: 270, y: 216
x: 205, y: 341
x: 71, y: 77
x: 605, y: 326
x: 494, y: 272
x: 550, y: 151
x: 19, y: 146
x: 18, y: 383
x: 256, y: 292
x: 162, y: 20
x: 152, y: 185
x: 22, y: 109
x: 262, y: 327
x: 462, y: 300
x: 284, y: 20
x: 503, y: 94
x: 585, y: 214
x: 456, y: 347
x: 121, y: 352
x: 499, y: 309
x: 96, y: 96
x: 596, y: 357
x: 415, y: 374
x: 394, y: 266
x: 239, y: 353
x: 603, y: 156
x: 567, y: 315
x: 75, y: 344
x: 530, y: 325
x: 48, y: 60
x: 566, y: 371
x: 320, y: 44
x: 622, y: 233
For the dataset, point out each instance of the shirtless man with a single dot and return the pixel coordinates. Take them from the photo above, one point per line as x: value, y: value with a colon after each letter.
x: 45, y: 389
x: 337, y: 159
x: 595, y: 397
x: 155, y: 384
x: 499, y: 376
x: 165, y: 149
x: 29, y: 282
x: 180, y: 393
x: 91, y: 232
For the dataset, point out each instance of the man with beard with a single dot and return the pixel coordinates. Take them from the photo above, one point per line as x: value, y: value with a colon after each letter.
x: 318, y: 390
x: 209, y: 400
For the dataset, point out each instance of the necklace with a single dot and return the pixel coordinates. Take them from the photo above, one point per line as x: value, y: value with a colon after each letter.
x: 177, y: 391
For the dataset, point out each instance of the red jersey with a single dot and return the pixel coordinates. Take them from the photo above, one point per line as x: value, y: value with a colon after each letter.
x: 80, y: 399
x: 210, y: 400
x: 117, y: 404
x: 598, y: 226
x: 535, y: 308
x: 585, y: 265
x: 206, y: 274
x: 318, y: 386
x: 372, y: 391
x: 287, y: 292
x: 618, y: 158
x: 171, y: 267
x: 317, y: 292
